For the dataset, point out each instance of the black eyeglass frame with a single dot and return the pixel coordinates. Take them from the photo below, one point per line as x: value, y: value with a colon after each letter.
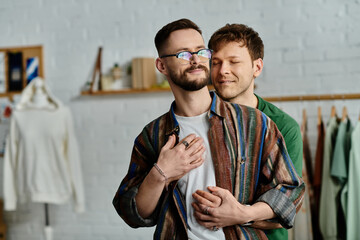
x: 192, y: 53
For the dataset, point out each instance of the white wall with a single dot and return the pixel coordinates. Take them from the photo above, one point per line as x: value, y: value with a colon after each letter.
x: 311, y: 47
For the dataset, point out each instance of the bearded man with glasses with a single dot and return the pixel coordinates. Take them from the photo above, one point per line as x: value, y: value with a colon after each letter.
x: 202, y: 142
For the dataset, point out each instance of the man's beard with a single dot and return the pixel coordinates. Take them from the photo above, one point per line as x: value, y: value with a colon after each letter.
x: 183, y: 82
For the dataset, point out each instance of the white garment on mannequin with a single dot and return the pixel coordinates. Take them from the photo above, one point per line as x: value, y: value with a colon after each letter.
x: 42, y: 161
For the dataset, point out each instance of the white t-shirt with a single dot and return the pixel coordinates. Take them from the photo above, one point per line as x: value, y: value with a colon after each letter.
x: 198, y: 178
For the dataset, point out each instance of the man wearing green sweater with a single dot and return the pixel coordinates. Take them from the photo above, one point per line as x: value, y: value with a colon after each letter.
x: 237, y: 60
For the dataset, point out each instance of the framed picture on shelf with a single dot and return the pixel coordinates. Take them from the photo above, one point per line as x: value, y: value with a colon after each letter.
x: 18, y: 66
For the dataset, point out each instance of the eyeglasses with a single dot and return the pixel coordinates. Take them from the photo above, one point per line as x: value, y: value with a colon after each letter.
x: 185, y: 56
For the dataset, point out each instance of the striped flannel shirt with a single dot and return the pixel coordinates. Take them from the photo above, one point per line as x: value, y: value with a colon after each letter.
x: 250, y: 160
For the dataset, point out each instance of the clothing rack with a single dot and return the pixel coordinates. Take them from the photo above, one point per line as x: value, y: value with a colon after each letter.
x: 313, y: 97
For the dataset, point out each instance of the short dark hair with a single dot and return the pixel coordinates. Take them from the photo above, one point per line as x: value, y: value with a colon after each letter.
x: 164, y: 33
x: 238, y: 33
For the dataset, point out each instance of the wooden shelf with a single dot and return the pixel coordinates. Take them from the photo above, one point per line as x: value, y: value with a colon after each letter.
x: 130, y: 91
x: 9, y: 95
x: 325, y: 97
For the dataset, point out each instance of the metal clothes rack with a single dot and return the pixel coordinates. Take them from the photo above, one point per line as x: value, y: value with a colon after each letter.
x: 313, y: 97
x: 349, y: 96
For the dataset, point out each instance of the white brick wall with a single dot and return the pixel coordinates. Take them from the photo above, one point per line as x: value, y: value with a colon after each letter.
x: 311, y: 47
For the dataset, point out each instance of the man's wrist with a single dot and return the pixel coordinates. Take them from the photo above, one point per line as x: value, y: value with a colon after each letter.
x: 245, y: 212
x: 250, y: 214
x: 162, y: 174
x: 159, y: 176
x: 261, y: 211
x: 247, y: 224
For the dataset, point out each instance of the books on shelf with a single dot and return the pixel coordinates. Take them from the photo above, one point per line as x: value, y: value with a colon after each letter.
x: 143, y: 73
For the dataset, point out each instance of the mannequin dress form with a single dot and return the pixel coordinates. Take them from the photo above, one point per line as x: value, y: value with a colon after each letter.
x: 40, y: 99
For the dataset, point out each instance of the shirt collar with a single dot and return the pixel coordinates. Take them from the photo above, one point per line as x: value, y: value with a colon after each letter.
x: 217, y: 108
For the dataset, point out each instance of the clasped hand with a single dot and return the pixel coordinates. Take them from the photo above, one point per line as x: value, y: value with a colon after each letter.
x: 219, y: 208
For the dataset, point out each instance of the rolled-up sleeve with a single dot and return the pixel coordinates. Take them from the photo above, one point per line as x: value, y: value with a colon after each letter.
x: 125, y: 206
x: 284, y: 209
x: 282, y: 189
x: 142, y: 159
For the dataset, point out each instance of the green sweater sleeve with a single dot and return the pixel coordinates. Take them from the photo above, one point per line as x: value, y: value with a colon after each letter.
x: 294, y: 145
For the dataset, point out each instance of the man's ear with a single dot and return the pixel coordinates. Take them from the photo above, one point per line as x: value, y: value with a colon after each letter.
x: 160, y: 66
x: 258, y: 67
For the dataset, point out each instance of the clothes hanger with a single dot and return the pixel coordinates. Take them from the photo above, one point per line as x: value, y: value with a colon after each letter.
x: 319, y: 116
x: 304, y: 119
x: 344, y: 114
x: 333, y: 111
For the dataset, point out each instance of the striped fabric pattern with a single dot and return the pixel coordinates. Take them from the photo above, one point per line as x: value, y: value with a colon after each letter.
x: 250, y: 160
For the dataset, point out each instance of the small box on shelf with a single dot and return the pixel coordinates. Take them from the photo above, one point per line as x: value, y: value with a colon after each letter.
x: 143, y: 73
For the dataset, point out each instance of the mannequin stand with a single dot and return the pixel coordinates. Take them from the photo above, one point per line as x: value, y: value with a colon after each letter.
x: 47, y: 230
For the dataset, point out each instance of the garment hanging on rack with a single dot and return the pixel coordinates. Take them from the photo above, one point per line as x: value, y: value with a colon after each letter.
x: 340, y: 160
x: 330, y: 188
x: 41, y: 162
x: 339, y: 169
x: 307, y: 163
x: 353, y: 198
x: 319, y: 155
x: 302, y: 229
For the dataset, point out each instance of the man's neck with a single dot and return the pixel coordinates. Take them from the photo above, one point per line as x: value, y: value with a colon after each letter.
x: 247, y: 100
x: 192, y: 103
